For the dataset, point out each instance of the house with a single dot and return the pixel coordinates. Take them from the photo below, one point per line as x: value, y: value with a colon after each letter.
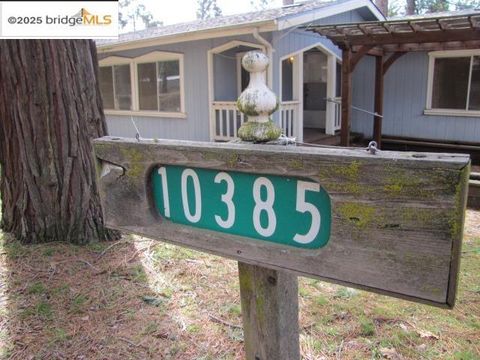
x: 182, y: 81
x: 425, y: 72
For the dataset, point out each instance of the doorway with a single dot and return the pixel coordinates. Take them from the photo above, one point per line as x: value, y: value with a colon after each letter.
x: 315, y: 79
x: 311, y: 78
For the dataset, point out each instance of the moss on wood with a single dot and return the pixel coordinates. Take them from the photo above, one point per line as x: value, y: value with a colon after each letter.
x: 358, y: 214
x: 259, y: 132
x: 135, y: 160
x: 456, y: 223
x: 296, y: 164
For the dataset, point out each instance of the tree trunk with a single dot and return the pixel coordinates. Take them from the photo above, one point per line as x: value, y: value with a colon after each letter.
x: 411, y: 7
x: 50, y: 109
x: 383, y: 6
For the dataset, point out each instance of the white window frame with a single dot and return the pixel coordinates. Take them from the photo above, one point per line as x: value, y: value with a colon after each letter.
x: 154, y: 57
x: 432, y: 56
x: 112, y: 61
x: 151, y: 57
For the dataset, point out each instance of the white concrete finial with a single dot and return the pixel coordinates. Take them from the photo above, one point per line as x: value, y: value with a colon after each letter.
x: 257, y: 101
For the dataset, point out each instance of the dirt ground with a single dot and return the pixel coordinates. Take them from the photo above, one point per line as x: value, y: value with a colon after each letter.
x: 141, y: 299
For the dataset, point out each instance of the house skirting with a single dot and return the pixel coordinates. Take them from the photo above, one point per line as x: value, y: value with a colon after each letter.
x: 430, y: 145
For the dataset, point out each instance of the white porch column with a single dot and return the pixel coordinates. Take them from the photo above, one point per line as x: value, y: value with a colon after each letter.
x: 298, y: 126
x: 331, y: 89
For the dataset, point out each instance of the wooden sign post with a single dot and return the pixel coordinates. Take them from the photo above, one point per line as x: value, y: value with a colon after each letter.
x: 389, y: 222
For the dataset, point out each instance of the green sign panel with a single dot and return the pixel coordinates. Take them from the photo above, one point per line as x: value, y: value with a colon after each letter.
x: 284, y: 210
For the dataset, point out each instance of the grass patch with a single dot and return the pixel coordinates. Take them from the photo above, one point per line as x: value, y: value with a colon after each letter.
x: 48, y: 252
x: 78, y: 303
x: 170, y: 252
x: 193, y: 328
x: 61, y: 290
x: 139, y: 274
x: 59, y: 335
x: 44, y: 310
x: 367, y: 327
x: 345, y: 293
x: 321, y: 300
x: 465, y: 355
x: 151, y: 328
x: 15, y: 249
x: 234, y: 309
x: 36, y: 288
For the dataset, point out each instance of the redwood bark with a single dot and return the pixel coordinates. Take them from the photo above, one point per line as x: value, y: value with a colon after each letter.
x: 410, y: 8
x: 50, y: 109
x: 383, y: 6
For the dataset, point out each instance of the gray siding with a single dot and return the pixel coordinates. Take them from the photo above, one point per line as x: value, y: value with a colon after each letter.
x: 196, y: 99
x: 197, y: 125
x: 363, y: 90
x: 405, y: 93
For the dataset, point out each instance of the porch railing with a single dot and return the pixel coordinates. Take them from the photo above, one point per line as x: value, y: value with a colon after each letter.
x: 227, y: 119
x: 289, y: 117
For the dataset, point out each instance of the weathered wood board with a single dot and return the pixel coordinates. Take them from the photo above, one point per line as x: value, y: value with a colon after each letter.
x: 396, y: 217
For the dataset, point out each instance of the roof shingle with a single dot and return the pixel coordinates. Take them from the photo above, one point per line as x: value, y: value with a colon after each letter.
x: 222, y: 21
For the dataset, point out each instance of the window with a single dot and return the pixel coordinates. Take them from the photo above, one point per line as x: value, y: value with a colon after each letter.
x: 454, y: 83
x: 159, y: 86
x: 149, y: 85
x: 115, y: 85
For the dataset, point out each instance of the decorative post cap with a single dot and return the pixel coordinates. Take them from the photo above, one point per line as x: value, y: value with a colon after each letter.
x: 257, y: 101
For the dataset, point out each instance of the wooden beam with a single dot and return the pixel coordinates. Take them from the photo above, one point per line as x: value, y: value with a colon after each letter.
x: 389, y: 62
x: 346, y: 97
x: 432, y: 46
x: 431, y: 26
x: 412, y: 47
x: 373, y: 51
x: 269, y: 301
x: 376, y: 51
x: 411, y: 37
x: 361, y: 52
x: 378, y: 107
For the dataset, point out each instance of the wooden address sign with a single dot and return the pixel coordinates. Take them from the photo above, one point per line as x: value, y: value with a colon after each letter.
x: 390, y: 223
x: 279, y: 209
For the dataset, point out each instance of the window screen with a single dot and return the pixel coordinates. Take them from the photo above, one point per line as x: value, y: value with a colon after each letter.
x: 123, y: 87
x: 450, y: 83
x: 159, y: 86
x: 106, y: 86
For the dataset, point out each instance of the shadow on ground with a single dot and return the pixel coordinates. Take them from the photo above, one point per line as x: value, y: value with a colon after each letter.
x: 105, y: 301
x: 142, y: 299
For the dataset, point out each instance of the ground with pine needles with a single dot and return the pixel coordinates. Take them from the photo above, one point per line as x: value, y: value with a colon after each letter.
x: 141, y: 299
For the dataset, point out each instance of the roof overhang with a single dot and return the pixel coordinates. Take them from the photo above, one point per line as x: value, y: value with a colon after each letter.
x: 416, y: 34
x: 264, y: 26
x: 321, y: 13
x: 245, y: 28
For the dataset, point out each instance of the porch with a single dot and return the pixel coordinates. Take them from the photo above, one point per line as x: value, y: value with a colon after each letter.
x: 308, y: 88
x: 452, y: 43
x: 226, y: 120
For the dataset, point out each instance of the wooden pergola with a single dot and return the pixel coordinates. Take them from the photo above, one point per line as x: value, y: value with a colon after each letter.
x: 388, y: 41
